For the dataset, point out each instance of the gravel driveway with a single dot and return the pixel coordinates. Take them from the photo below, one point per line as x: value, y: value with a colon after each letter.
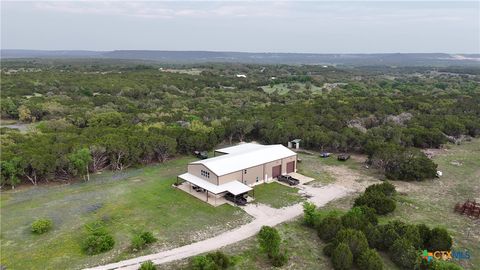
x: 263, y: 214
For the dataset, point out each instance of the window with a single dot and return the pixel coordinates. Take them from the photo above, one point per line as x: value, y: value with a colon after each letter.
x: 257, y: 179
x: 205, y: 173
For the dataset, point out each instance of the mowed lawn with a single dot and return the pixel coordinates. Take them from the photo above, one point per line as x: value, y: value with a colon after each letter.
x: 134, y: 199
x: 277, y: 195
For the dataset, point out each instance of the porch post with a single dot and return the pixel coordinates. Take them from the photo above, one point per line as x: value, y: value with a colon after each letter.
x: 207, y: 195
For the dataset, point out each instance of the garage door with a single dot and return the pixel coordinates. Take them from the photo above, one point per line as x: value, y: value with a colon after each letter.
x: 276, y: 171
x: 290, y: 167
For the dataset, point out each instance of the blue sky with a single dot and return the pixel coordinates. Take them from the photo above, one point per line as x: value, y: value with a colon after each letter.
x: 261, y: 26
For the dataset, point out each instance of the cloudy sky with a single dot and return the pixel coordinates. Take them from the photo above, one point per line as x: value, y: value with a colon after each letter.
x: 250, y: 26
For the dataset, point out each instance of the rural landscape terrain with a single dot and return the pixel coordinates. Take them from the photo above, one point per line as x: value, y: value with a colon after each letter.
x: 91, y: 151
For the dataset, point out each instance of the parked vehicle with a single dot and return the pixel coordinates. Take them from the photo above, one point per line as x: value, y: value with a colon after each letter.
x: 324, y: 154
x: 343, y: 157
x: 288, y: 179
x: 198, y: 189
x: 239, y: 199
x: 201, y: 154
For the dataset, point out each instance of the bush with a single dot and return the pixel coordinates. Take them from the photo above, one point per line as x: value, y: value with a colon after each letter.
x: 376, y: 200
x: 42, y: 225
x: 211, y: 261
x: 148, y: 265
x: 220, y: 259
x: 329, y: 227
x: 137, y: 242
x: 141, y: 239
x: 389, y: 236
x: 439, y: 240
x: 374, y: 236
x: 269, y: 240
x: 386, y: 188
x: 310, y: 215
x: 359, y: 218
x: 342, y: 257
x: 442, y: 265
x: 98, y: 239
x: 425, y: 234
x: 370, y: 260
x: 279, y: 259
x: 403, y: 253
x: 355, y: 239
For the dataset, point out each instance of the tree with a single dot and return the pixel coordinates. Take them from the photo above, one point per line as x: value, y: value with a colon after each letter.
x: 329, y: 227
x: 370, y: 260
x: 439, y: 240
x: 342, y: 257
x: 80, y: 161
x: 269, y: 240
x: 309, y: 214
x: 11, y: 170
x: 403, y: 253
x: 355, y: 239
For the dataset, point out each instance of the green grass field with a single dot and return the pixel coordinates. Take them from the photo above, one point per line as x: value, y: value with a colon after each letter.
x: 136, y: 198
x: 277, y: 195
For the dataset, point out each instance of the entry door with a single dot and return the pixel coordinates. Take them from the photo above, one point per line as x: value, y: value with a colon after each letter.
x: 276, y: 171
x: 290, y: 167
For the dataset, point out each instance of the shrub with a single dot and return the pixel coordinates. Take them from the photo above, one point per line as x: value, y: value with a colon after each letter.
x: 42, y: 225
x: 137, y: 242
x: 442, y: 265
x: 389, y: 236
x: 148, y: 237
x: 279, y: 259
x: 98, y: 239
x: 220, y: 259
x: 310, y: 215
x: 329, y: 227
x: 342, y: 257
x: 211, y: 261
x: 374, y: 237
x: 148, y: 265
x: 202, y: 263
x: 425, y: 233
x: 370, y: 260
x: 439, y: 240
x: 355, y: 239
x: 269, y: 240
x: 141, y: 239
x: 359, y: 218
x: 329, y: 248
x: 403, y: 253
x: 386, y: 188
x: 376, y: 200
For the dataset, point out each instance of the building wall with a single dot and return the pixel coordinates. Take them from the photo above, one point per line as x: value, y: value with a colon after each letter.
x: 230, y: 177
x: 263, y: 172
x: 196, y: 169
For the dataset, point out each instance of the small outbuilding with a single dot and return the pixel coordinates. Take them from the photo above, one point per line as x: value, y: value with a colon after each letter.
x: 295, y: 144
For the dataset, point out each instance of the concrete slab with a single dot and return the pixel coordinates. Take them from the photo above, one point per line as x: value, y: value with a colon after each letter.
x: 303, y: 179
x: 214, y: 200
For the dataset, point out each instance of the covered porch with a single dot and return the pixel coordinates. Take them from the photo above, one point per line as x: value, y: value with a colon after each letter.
x: 208, y: 192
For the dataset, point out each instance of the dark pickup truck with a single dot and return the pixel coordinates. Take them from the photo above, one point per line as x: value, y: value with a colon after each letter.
x: 240, y: 200
x: 343, y: 157
x: 201, y: 154
x: 288, y: 179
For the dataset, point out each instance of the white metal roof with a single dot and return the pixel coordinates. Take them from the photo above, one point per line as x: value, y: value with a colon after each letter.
x: 245, y: 156
x: 233, y: 187
x: 243, y: 147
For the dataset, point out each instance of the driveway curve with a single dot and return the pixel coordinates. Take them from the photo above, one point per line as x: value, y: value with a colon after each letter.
x: 263, y: 216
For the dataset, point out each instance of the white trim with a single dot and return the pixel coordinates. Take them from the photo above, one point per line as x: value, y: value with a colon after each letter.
x: 233, y: 187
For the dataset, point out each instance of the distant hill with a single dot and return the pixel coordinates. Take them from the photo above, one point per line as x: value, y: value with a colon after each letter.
x: 390, y: 59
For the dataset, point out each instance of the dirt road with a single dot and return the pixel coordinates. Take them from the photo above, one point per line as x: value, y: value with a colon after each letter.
x: 263, y: 214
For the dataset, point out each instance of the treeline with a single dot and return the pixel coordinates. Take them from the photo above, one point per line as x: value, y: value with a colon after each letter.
x: 124, y: 117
